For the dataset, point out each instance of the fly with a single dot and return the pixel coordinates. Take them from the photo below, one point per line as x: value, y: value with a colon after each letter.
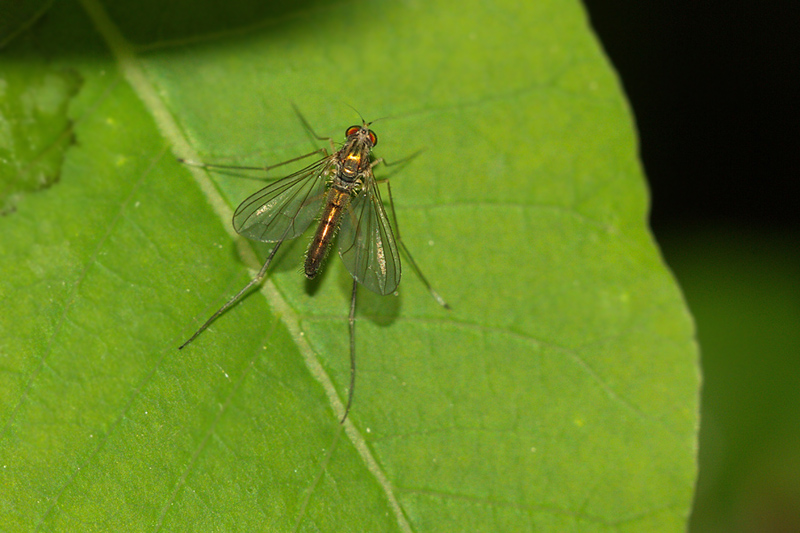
x: 340, y: 190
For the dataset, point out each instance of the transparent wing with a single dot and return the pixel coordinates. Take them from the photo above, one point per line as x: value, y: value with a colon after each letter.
x: 366, y: 242
x: 284, y: 209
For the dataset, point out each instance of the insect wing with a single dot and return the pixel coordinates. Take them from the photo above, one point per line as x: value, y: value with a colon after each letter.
x: 284, y: 209
x: 366, y: 242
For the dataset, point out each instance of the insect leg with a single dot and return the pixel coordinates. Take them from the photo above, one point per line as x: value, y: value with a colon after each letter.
x: 237, y: 167
x: 255, y: 281
x: 411, y: 260
x: 352, y: 324
x: 310, y: 130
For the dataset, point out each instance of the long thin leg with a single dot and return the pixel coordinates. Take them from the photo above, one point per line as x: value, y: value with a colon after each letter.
x: 237, y: 167
x: 352, y: 323
x: 310, y: 130
x: 308, y: 126
x: 400, y: 162
x: 411, y: 260
x: 255, y: 281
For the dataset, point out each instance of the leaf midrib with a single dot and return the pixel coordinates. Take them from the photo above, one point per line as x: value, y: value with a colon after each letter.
x: 132, y: 70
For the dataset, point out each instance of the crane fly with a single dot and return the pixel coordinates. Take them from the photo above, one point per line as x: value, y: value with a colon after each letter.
x: 339, y: 190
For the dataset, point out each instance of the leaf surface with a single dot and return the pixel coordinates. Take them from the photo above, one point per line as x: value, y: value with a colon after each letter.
x: 560, y: 393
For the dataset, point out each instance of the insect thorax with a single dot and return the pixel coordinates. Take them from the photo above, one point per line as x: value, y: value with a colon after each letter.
x: 346, y: 184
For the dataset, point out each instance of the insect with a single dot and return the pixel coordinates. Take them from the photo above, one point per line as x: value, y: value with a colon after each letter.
x: 339, y: 190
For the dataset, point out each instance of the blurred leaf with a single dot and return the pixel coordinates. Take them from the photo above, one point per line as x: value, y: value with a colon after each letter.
x: 559, y: 393
x: 742, y: 286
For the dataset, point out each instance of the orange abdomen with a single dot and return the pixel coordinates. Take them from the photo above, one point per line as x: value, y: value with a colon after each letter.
x: 335, y: 204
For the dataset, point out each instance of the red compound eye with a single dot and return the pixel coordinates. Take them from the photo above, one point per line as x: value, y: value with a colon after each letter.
x: 353, y: 130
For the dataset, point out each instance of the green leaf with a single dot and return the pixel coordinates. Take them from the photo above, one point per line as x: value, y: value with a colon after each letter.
x: 559, y: 393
